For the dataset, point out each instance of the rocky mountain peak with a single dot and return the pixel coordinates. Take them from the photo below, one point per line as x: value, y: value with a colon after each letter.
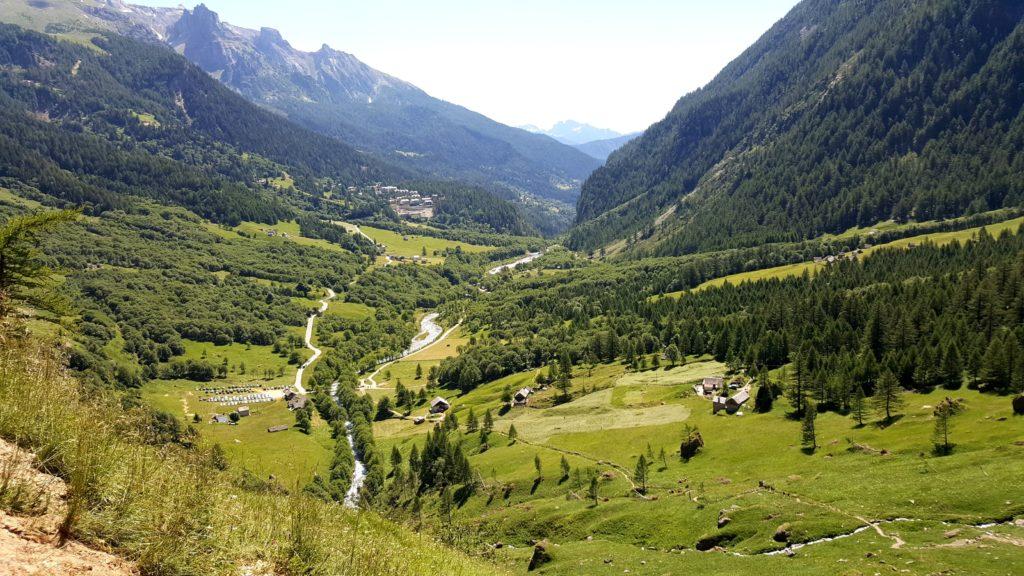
x: 268, y: 37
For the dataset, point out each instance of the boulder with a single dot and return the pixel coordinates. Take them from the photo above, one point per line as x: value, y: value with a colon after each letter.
x: 782, y: 533
x: 541, y: 556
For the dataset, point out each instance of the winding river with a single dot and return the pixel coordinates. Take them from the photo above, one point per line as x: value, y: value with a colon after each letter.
x: 430, y: 332
x: 524, y: 260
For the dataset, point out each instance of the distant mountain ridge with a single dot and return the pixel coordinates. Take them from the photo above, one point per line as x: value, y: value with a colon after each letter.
x: 334, y: 93
x: 842, y: 114
x: 574, y: 133
x: 602, y: 149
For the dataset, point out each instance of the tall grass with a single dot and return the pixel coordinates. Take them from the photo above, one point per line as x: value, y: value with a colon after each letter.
x: 168, y: 509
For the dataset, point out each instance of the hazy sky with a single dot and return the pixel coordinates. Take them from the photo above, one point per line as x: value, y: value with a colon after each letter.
x: 617, y: 64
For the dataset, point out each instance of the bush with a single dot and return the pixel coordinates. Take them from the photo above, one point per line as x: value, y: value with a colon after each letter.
x: 1018, y: 405
x: 691, y: 444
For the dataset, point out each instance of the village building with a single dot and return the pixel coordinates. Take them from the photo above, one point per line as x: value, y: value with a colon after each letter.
x: 737, y: 400
x: 718, y: 403
x: 731, y: 404
x: 438, y: 405
x: 521, y: 397
x: 297, y: 402
x: 710, y: 385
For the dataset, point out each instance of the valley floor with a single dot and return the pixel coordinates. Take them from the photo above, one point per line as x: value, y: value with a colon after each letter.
x: 909, y: 510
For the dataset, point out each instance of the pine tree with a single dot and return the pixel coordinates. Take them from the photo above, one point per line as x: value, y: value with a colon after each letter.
x: 444, y: 507
x: 513, y: 435
x: 414, y: 462
x: 796, y: 393
x: 471, y: 421
x: 564, y: 464
x: 563, y: 379
x: 888, y: 398
x: 808, y: 435
x: 23, y: 272
x: 944, y: 412
x: 419, y: 371
x: 763, y: 399
x: 488, y: 421
x: 593, y: 491
x: 952, y: 368
x: 396, y: 458
x: 537, y: 466
x: 858, y: 407
x: 640, y: 474
x: 383, y: 409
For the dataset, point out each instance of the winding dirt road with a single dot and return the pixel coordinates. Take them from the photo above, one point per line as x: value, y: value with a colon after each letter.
x: 309, y: 341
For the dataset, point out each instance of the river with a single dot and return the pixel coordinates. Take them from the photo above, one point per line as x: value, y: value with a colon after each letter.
x: 430, y: 332
x: 524, y: 260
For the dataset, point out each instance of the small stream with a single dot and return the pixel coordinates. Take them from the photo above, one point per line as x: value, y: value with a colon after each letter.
x: 359, y: 469
x: 430, y: 331
x: 358, y: 472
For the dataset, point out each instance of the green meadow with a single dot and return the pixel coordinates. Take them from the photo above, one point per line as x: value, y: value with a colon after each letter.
x: 290, y: 456
x: 789, y: 270
x: 752, y: 471
x: 413, y: 245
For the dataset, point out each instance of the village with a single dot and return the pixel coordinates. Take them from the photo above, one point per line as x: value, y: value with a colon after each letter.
x: 240, y: 398
x: 406, y: 203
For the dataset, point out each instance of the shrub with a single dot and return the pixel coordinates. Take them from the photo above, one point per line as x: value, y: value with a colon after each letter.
x: 691, y: 444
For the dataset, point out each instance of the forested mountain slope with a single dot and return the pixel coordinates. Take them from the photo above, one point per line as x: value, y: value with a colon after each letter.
x: 90, y: 125
x: 334, y: 93
x: 842, y: 114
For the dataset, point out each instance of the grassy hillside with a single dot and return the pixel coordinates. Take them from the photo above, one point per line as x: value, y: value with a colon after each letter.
x: 789, y: 270
x: 168, y: 509
x: 751, y: 471
x: 409, y: 245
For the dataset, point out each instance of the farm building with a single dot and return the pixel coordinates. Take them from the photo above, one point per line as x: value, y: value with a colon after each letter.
x: 243, y: 411
x: 731, y: 404
x: 278, y: 428
x: 220, y: 419
x: 521, y: 397
x: 710, y: 385
x: 438, y: 405
x: 297, y: 402
x: 718, y: 404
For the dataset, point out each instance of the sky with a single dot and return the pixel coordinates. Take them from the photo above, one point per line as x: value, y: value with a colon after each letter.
x: 611, y: 63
